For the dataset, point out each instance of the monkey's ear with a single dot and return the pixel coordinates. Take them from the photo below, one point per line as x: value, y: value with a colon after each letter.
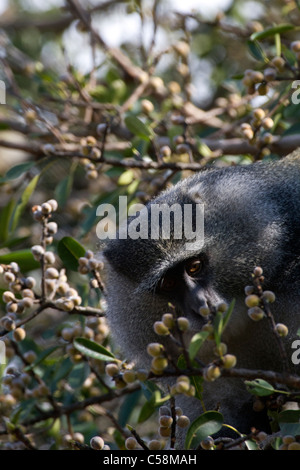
x: 195, y: 195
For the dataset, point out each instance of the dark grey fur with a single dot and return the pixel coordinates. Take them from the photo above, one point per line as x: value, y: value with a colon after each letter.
x: 252, y: 218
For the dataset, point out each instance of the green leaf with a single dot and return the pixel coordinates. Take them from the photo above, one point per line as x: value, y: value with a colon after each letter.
x: 93, y: 349
x: 23, y: 202
x: 5, y: 217
x: 278, y: 44
x: 128, y: 406
x: 257, y: 51
x: 137, y: 127
x: 206, y: 425
x: 228, y: 313
x: 197, y: 381
x: 149, y: 407
x: 17, y: 171
x: 220, y: 322
x: 24, y: 258
x: 69, y: 251
x: 41, y: 357
x: 251, y: 445
x: 196, y: 343
x: 218, y: 327
x: 61, y: 371
x: 63, y: 190
x: 259, y: 387
x: 289, y: 422
x: 278, y: 29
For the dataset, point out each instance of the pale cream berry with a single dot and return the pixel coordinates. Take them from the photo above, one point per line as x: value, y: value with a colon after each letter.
x: 164, y: 431
x: 183, y: 323
x: 30, y: 356
x: 130, y: 443
x: 26, y: 302
x: 267, y: 123
x: 165, y: 151
x: 9, y: 277
x: 204, y: 311
x: 220, y: 350
x: 229, y: 361
x: 49, y: 257
x: 51, y: 273
x: 46, y: 208
x: 97, y: 443
x: 252, y: 300
x: 258, y: 271
x: 182, y: 48
x: 295, y: 46
x: 129, y: 376
x: 155, y: 349
x: 147, y: 106
x: 256, y: 313
x: 67, y: 334
x: 270, y: 74
x: 165, y: 421
x: 51, y: 228
x: 294, y: 446
x: 269, y: 296
x: 8, y: 296
x: 68, y: 305
x: 53, y: 203
x: 11, y: 307
x: 158, y: 364
x: 160, y: 328
x: 154, y: 444
x: 111, y: 369
x: 168, y: 320
x: 288, y: 439
x: 79, y: 437
x: 28, y: 293
x: 164, y: 411
x: 211, y: 373
x: 30, y: 282
x: 89, y: 254
x: 182, y: 386
x: 8, y: 323
x: 93, y: 264
x: 183, y: 421
x: 281, y: 329
x: 37, y: 251
x: 207, y: 443
x: 257, y: 77
x: 259, y: 113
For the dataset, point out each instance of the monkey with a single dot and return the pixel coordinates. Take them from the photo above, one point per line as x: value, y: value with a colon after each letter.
x: 251, y: 218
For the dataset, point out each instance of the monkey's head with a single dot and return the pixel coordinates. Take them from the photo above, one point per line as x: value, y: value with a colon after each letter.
x: 156, y: 261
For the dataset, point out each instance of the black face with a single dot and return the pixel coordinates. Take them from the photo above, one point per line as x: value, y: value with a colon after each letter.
x: 187, y: 286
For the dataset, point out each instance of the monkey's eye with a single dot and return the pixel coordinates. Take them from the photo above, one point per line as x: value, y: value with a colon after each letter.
x: 193, y: 267
x: 167, y: 283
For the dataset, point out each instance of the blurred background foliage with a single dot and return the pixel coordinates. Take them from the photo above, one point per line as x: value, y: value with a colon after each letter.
x: 110, y: 98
